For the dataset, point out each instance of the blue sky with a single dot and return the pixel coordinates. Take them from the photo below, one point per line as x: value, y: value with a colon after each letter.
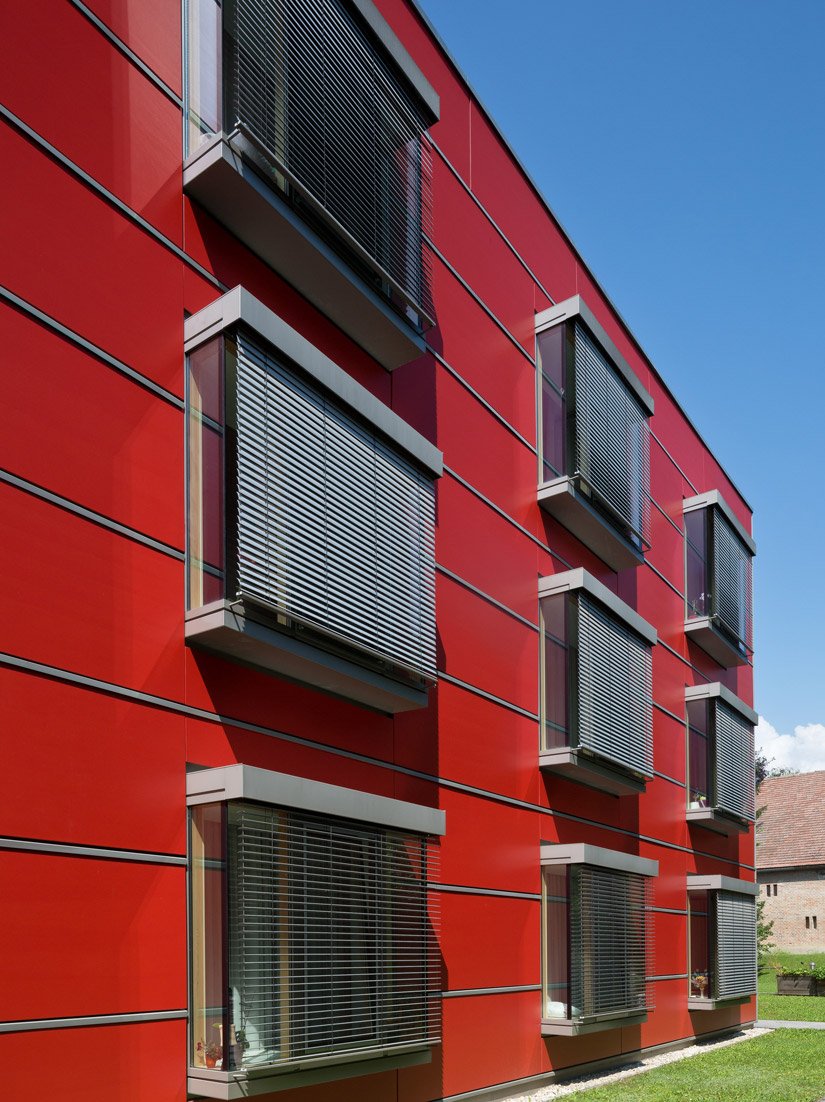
x: 682, y: 146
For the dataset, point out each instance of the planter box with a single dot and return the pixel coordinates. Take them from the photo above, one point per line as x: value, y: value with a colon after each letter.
x: 796, y: 985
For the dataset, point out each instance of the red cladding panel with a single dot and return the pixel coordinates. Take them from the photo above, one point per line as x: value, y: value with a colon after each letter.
x: 110, y: 607
x: 93, y: 269
x: 107, y: 772
x: 140, y: 1062
x: 489, y: 844
x: 113, y: 122
x: 490, y: 1039
x: 134, y: 472
x: 487, y: 648
x: 115, y: 944
x: 152, y: 29
x: 490, y: 942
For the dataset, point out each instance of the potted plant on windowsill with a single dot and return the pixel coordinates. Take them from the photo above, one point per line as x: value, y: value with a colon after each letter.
x: 698, y: 799
x: 698, y: 985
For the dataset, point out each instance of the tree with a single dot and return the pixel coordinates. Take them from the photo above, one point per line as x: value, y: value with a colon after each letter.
x: 764, y: 929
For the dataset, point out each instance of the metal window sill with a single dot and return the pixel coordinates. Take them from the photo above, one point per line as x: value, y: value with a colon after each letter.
x: 713, y: 818
x: 565, y: 503
x: 574, y: 765
x: 206, y: 1083
x: 567, y: 1027
x: 697, y: 1003
x: 225, y: 185
x: 238, y: 632
x: 702, y: 632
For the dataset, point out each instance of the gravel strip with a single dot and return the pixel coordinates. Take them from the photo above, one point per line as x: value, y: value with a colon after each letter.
x: 604, y: 1078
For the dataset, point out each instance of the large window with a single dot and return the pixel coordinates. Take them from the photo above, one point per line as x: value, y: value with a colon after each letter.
x: 312, y: 934
x: 720, y: 783
x: 320, y: 98
x: 596, y: 715
x: 596, y: 938
x: 718, y: 580
x: 721, y: 940
x: 594, y: 452
x: 305, y: 515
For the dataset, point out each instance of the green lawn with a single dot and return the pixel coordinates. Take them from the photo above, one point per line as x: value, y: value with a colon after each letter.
x: 789, y: 1008
x: 787, y: 1065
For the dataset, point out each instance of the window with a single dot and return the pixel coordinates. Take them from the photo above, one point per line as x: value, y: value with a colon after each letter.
x: 595, y: 453
x: 596, y: 667
x: 721, y: 940
x: 316, y: 926
x: 596, y: 938
x: 311, y: 514
x: 305, y: 126
x: 720, y: 782
x: 718, y: 580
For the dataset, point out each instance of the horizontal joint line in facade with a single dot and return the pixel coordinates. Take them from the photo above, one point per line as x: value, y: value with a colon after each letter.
x: 92, y: 1019
x: 673, y: 461
x: 488, y: 696
x: 482, y: 400
x: 89, y: 514
x: 479, y: 301
x: 462, y: 889
x: 108, y: 196
x: 87, y: 346
x: 72, y: 849
x: 486, y: 597
x: 667, y: 712
x: 666, y: 515
x: 470, y: 991
x: 667, y: 581
x: 491, y: 220
x: 127, y: 52
x: 97, y: 685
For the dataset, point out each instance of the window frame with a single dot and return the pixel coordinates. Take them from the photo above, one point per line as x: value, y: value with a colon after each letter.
x: 712, y: 815
x: 555, y: 857
x: 581, y: 508
x: 247, y: 629
x: 574, y: 761
x: 713, y: 885
x: 706, y: 627
x: 242, y: 785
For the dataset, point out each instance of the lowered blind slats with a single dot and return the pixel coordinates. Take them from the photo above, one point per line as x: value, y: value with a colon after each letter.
x: 736, y: 944
x: 331, y: 936
x: 328, y: 109
x: 614, y: 690
x: 335, y: 529
x: 734, y: 762
x: 732, y: 576
x: 612, y: 438
x: 610, y: 943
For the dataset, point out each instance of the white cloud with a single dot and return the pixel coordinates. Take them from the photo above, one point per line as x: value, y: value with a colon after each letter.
x: 803, y: 750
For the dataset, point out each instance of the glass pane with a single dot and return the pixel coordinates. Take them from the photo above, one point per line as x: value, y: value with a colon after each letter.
x: 699, y: 754
x: 699, y: 945
x: 556, y: 944
x: 551, y: 354
x: 552, y: 431
x: 698, y: 603
x: 555, y: 710
x: 204, y: 76
x: 206, y: 489
x: 208, y: 867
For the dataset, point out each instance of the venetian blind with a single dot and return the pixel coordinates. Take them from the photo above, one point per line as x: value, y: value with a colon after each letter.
x: 612, y: 438
x: 610, y: 943
x: 735, y: 944
x: 335, y: 528
x: 331, y: 937
x: 325, y: 107
x: 734, y: 762
x: 732, y: 564
x: 614, y: 689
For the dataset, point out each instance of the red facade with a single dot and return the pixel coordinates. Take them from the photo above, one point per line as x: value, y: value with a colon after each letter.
x: 104, y: 704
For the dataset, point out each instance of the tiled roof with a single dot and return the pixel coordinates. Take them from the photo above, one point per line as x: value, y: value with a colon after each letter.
x: 791, y: 829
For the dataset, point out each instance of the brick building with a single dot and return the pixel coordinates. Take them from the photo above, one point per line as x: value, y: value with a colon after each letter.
x: 790, y: 860
x: 376, y: 666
